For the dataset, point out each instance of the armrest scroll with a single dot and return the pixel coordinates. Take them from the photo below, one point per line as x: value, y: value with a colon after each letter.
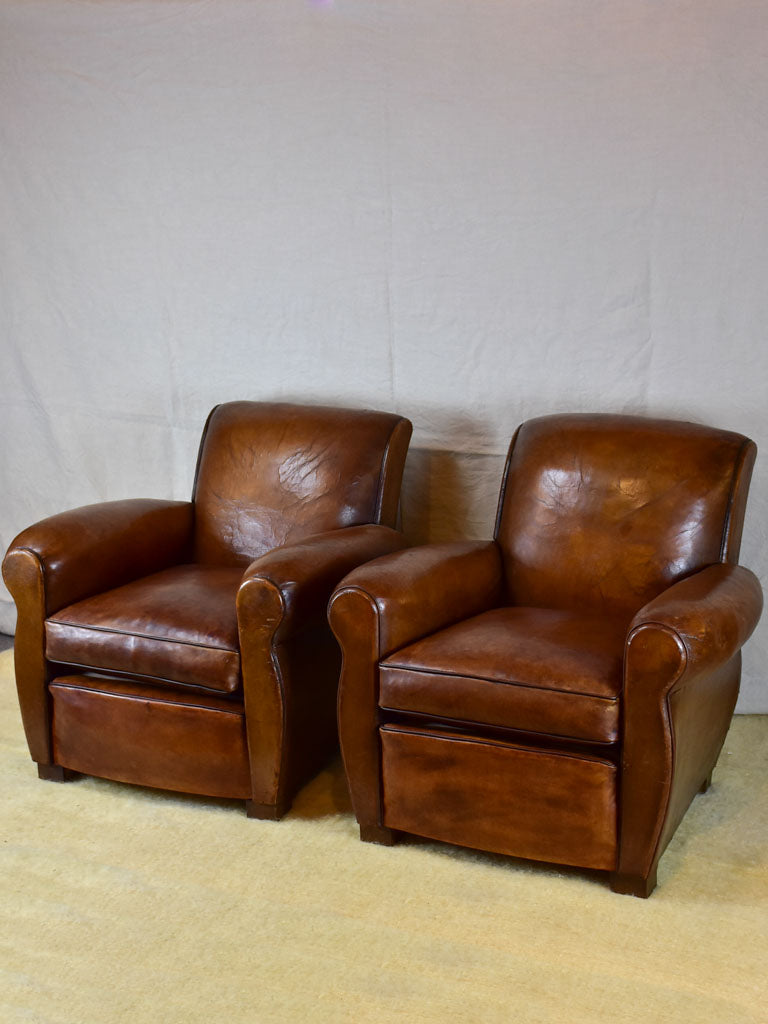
x: 288, y: 588
x: 421, y: 590
x: 708, y: 616
x: 97, y: 547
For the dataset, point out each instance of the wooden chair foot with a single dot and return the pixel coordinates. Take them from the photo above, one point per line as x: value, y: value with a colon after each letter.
x: 706, y: 783
x: 633, y: 885
x: 379, y: 834
x: 266, y: 812
x: 54, y: 773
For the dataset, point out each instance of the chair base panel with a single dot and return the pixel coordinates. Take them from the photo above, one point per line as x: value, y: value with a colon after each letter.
x: 524, y: 802
x: 190, y: 747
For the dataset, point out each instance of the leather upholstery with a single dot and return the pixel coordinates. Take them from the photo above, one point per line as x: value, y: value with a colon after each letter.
x: 530, y: 669
x: 564, y: 691
x: 628, y: 505
x: 179, y: 625
x: 271, y: 474
x: 198, y: 629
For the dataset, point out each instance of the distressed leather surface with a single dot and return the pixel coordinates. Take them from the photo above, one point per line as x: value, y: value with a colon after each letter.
x: 222, y: 595
x: 605, y: 512
x: 609, y: 609
x: 270, y: 474
x: 532, y: 669
x: 179, y: 624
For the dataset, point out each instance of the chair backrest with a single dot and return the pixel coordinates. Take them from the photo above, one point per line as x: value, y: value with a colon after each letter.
x: 604, y: 512
x: 271, y: 473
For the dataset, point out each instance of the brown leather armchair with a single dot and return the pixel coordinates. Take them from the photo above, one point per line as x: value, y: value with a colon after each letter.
x: 562, y: 692
x: 185, y: 645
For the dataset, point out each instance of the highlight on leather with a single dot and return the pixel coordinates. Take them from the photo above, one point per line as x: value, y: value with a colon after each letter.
x: 561, y: 692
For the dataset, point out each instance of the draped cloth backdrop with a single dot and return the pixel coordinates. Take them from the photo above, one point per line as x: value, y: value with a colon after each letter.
x: 467, y: 212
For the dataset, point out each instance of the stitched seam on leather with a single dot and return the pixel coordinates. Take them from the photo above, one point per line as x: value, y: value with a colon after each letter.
x: 732, y: 496
x: 275, y: 661
x: 130, y: 673
x: 501, y: 745
x: 41, y: 565
x: 503, y: 682
x: 383, y: 473
x: 668, y: 722
x: 494, y: 725
x: 153, y: 700
x: 504, y: 479
x: 199, y: 463
x: 141, y: 636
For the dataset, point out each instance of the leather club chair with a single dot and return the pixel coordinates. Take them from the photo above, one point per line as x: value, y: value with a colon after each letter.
x: 185, y: 645
x: 561, y: 692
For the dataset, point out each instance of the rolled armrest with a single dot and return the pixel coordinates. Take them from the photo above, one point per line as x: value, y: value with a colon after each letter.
x: 681, y: 681
x: 421, y: 590
x: 98, y: 547
x: 709, y: 616
x: 288, y: 588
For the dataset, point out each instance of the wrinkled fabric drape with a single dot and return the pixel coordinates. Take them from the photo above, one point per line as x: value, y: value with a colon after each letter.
x: 469, y: 213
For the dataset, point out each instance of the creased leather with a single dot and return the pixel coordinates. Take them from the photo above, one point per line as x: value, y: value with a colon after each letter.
x: 97, y: 547
x: 146, y: 590
x: 179, y: 624
x: 281, y: 607
x: 420, y: 590
x: 633, y: 523
x: 271, y: 474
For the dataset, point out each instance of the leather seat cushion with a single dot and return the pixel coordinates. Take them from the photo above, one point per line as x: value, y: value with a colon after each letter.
x: 179, y: 625
x: 533, y: 669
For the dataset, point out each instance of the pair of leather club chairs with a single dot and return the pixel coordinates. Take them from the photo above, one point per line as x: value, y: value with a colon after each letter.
x: 558, y: 693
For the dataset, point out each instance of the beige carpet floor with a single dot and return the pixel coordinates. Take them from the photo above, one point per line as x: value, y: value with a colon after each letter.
x: 127, y: 905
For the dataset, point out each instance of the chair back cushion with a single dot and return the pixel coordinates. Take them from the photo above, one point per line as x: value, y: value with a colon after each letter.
x: 269, y: 474
x: 603, y: 512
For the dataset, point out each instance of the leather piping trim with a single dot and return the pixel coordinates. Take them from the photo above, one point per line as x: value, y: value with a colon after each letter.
x: 511, y: 728
x: 498, y: 743
x: 280, y: 783
x: 41, y: 566
x: 735, y: 476
x: 503, y: 682
x: 200, y: 450
x: 377, y: 616
x: 383, y: 471
x: 142, y: 636
x: 659, y: 828
x: 125, y: 674
x: 153, y: 700
x: 505, y: 477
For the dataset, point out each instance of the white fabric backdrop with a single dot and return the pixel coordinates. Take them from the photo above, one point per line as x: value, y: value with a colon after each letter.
x: 468, y: 212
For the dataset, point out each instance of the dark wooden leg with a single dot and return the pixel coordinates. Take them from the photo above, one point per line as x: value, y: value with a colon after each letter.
x: 706, y: 783
x: 266, y: 812
x: 379, y: 834
x: 633, y: 885
x: 54, y: 773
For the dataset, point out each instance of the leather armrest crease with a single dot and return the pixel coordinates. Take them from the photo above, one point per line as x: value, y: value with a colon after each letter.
x: 710, y: 615
x: 420, y: 590
x: 97, y: 547
x: 291, y: 585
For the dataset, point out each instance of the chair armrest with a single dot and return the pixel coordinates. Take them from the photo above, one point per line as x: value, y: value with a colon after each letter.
x: 681, y: 680
x: 421, y: 590
x: 709, y: 616
x: 288, y: 588
x: 290, y: 661
x: 97, y: 547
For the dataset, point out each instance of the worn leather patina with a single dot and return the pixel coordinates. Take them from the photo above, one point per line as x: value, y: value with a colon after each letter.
x: 563, y: 691
x: 185, y: 645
